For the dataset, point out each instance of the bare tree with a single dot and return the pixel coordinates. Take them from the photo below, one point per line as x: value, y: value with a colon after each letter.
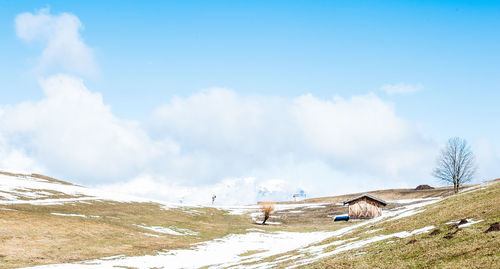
x: 456, y: 163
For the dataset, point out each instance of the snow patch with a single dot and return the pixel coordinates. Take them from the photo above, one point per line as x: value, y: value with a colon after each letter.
x: 241, y: 210
x: 470, y: 222
x: 255, y: 230
x: 16, y: 188
x: 409, y: 201
x: 372, y: 231
x: 69, y: 215
x: 152, y: 235
x: 171, y: 230
x: 361, y: 243
x: 295, y: 211
x: 406, y: 214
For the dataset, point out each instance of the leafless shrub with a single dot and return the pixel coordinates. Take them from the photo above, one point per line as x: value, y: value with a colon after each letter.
x: 267, y: 209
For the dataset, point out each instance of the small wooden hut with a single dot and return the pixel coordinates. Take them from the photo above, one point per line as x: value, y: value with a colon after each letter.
x: 365, y: 207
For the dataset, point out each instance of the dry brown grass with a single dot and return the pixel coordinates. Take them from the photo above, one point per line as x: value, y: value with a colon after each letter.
x: 32, y: 236
x: 390, y: 194
x: 50, y: 179
x: 53, y: 195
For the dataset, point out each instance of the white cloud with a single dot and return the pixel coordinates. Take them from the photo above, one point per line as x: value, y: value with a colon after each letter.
x: 487, y: 158
x: 255, y: 133
x: 15, y: 160
x: 72, y: 132
x: 243, y: 148
x: 228, y: 191
x: 59, y: 34
x: 400, y: 88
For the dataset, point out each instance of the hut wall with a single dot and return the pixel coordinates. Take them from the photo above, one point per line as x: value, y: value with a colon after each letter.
x: 364, y: 209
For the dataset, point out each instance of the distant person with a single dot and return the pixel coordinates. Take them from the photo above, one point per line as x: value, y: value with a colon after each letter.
x: 213, y: 198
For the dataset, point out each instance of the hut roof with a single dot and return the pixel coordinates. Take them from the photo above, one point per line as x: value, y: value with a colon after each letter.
x: 384, y: 203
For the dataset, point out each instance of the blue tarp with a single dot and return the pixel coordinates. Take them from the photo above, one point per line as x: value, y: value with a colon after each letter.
x: 339, y: 218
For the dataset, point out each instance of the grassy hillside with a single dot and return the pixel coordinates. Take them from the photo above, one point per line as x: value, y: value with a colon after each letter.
x: 48, y: 221
x: 34, y: 234
x: 389, y: 194
x: 446, y: 246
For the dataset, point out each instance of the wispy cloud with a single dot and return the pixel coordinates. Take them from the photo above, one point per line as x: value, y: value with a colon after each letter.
x: 64, y: 48
x: 401, y: 88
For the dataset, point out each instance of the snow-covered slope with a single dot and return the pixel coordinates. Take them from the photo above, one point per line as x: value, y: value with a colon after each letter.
x: 36, y: 189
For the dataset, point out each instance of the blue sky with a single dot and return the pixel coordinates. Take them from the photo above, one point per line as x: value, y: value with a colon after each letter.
x: 279, y: 48
x: 149, y: 53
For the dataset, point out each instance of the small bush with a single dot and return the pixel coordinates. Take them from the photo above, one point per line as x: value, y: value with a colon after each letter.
x: 267, y: 209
